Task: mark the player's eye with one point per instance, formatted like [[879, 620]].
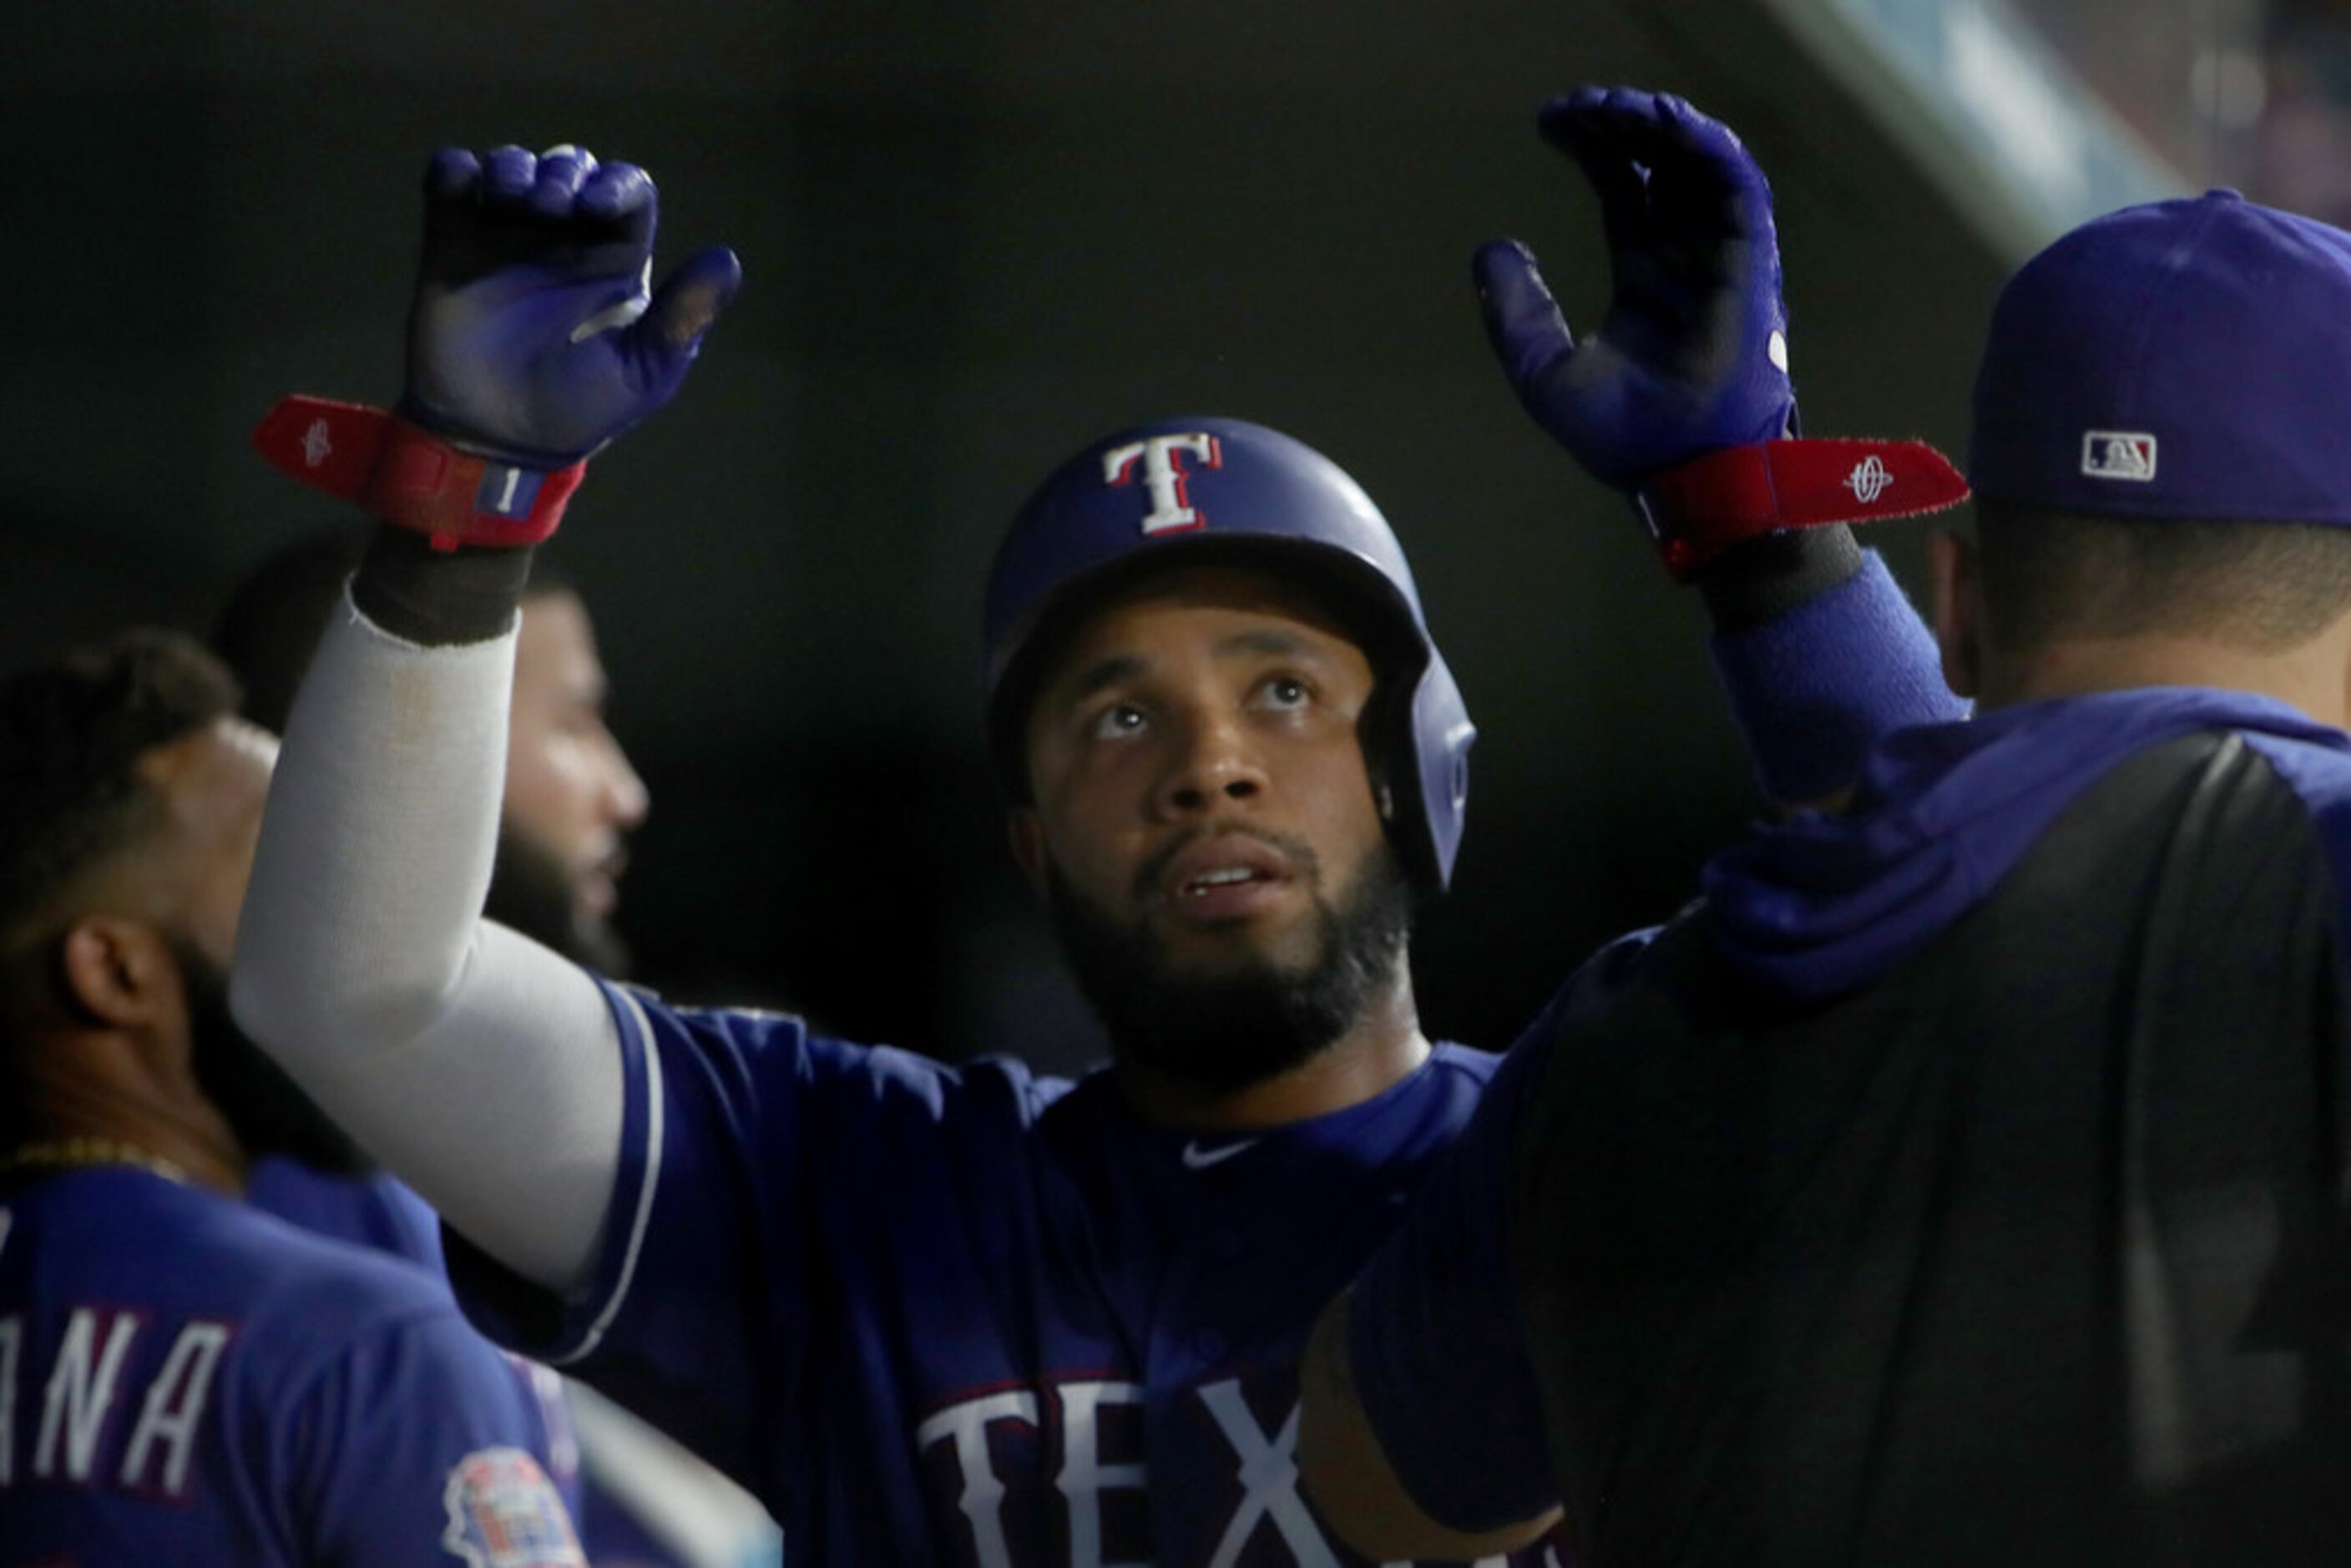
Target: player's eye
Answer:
[[1117, 721], [1285, 694]]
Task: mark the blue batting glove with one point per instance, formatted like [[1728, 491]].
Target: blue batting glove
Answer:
[[533, 337], [1692, 355]]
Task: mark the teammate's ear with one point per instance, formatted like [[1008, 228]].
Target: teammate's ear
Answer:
[[118, 972], [1957, 608], [1027, 836]]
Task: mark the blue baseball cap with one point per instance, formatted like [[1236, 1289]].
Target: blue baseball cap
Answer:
[[2182, 359]]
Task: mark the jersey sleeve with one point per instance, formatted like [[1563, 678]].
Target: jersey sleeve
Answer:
[[775, 1189], [1812, 689], [1437, 1345], [416, 1443]]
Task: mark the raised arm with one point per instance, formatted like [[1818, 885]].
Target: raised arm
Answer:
[[1682, 399], [480, 1067]]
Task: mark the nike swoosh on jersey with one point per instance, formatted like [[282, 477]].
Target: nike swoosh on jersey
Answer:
[[1196, 1158]]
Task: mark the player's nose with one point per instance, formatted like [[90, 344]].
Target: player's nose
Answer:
[[626, 801], [1213, 764]]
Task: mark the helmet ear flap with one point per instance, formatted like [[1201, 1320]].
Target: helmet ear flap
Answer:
[[1436, 741]]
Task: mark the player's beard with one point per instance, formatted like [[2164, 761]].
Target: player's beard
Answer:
[[268, 1111], [1222, 1031], [534, 893]]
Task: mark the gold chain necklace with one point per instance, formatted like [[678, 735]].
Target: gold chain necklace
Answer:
[[66, 1154]]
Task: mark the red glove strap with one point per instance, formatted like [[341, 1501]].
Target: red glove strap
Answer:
[[410, 478], [1698, 510]]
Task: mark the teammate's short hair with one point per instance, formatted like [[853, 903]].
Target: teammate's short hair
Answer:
[[72, 728], [2261, 588], [270, 625], [2153, 444]]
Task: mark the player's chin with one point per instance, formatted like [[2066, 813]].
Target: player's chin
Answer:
[[595, 894], [1282, 941]]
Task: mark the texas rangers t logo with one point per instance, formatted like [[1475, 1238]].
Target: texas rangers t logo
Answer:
[[1163, 477]]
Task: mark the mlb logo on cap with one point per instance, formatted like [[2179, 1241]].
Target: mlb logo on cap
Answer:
[[2221, 323], [2118, 455]]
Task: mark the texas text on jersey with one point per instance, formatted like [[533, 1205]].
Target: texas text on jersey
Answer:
[[974, 1316]]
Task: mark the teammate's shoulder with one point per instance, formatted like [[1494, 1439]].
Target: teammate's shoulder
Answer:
[[1587, 990], [184, 1251], [1450, 1059], [2318, 772], [299, 1272], [325, 1315]]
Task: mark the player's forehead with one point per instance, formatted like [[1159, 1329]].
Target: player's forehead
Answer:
[[1182, 611], [213, 780], [555, 649]]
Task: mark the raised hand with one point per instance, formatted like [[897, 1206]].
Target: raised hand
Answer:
[[535, 337], [1691, 356]]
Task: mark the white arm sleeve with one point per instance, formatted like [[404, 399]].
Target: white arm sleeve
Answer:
[[480, 1067]]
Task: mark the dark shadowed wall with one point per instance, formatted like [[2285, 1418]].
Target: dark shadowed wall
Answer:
[[974, 237]]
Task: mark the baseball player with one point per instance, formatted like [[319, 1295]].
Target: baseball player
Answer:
[[183, 1378], [1964, 1180], [938, 1315], [571, 799]]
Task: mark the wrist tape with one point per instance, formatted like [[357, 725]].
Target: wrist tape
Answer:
[[404, 475], [1698, 510]]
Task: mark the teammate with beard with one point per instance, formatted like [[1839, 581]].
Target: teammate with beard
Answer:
[[182, 1377], [571, 798], [965, 1315]]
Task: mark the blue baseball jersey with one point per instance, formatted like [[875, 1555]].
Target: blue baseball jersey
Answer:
[[375, 1209], [184, 1379], [967, 1315]]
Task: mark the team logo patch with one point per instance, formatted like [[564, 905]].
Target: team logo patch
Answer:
[[317, 445], [2118, 455], [505, 1514], [1870, 478]]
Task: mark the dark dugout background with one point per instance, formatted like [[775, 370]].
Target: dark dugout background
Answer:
[[974, 237]]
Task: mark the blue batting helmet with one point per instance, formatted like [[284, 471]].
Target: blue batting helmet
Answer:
[[1199, 489]]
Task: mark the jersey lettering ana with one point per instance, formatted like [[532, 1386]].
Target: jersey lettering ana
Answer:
[[1962, 1182], [970, 1316], [184, 1379]]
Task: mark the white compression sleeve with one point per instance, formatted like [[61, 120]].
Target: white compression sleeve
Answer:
[[480, 1067]]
